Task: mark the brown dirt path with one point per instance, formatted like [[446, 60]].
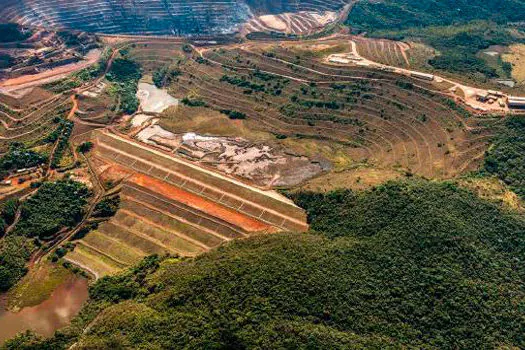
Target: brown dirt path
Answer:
[[48, 76]]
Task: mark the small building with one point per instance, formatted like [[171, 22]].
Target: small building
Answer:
[[482, 96], [423, 76], [335, 59]]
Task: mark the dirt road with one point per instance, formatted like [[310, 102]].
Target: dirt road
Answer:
[[48, 76]]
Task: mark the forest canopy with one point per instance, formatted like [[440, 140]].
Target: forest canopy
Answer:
[[408, 264]]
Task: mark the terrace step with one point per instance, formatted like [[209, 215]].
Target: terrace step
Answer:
[[145, 243], [187, 231], [160, 228], [121, 254], [97, 263], [178, 209]]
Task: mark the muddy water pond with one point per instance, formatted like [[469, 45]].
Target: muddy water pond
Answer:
[[44, 319]]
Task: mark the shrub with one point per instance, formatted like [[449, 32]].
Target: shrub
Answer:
[[55, 205]]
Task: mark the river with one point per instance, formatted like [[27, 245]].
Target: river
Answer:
[[54, 313]]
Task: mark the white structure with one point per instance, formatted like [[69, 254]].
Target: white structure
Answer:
[[516, 102], [423, 76]]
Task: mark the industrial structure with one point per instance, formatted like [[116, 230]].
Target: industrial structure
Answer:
[[516, 102]]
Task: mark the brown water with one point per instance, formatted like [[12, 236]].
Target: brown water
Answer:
[[54, 313]]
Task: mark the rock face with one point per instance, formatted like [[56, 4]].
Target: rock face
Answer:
[[154, 17]]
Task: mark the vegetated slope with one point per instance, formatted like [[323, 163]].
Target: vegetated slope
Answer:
[[180, 17], [460, 47], [413, 264], [10, 32], [403, 14], [506, 158], [459, 30], [54, 207]]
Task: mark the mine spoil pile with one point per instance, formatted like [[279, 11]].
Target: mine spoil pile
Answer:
[[181, 17], [170, 205]]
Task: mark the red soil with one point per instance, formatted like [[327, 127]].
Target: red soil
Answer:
[[114, 173], [245, 222]]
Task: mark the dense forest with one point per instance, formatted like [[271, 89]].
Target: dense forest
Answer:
[[506, 158], [404, 14], [408, 264], [125, 74], [19, 157], [56, 205]]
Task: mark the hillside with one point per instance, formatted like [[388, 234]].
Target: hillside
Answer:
[[404, 14], [468, 37], [410, 264], [506, 158]]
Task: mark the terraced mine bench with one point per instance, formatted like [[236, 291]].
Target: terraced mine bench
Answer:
[[155, 17], [169, 205], [262, 205]]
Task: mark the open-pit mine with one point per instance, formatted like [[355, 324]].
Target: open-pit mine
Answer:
[[171, 129], [154, 17]]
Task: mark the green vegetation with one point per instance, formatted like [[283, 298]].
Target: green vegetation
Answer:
[[124, 70], [19, 157], [8, 212], [165, 76], [14, 253], [55, 206], [76, 80], [85, 147], [193, 102], [69, 38], [107, 207], [127, 285], [242, 82], [258, 82], [125, 74], [64, 131], [10, 32], [38, 285], [405, 265], [233, 114], [460, 47], [506, 158], [63, 85], [6, 61], [458, 30], [95, 70], [404, 14]]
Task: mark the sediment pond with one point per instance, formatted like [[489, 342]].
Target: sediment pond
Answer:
[[45, 318]]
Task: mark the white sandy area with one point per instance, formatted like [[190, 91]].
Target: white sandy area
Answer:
[[154, 130], [154, 100], [273, 22], [140, 119]]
